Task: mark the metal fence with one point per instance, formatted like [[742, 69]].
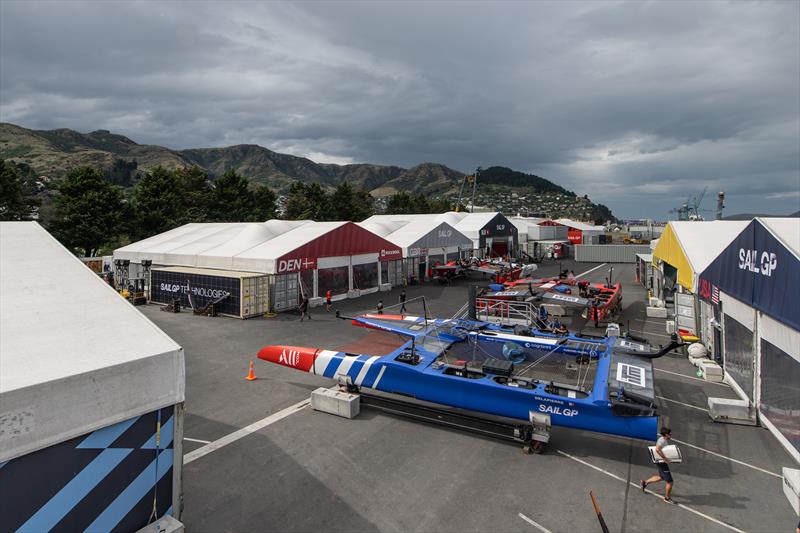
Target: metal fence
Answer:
[[609, 253]]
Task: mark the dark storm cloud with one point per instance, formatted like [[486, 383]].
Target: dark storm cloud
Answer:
[[637, 104]]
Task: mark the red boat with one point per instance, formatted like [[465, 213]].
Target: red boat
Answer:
[[606, 299]]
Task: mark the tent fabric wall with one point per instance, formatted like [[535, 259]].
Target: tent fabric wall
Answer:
[[779, 398], [669, 251]]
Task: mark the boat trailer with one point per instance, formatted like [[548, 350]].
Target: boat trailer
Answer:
[[533, 435]]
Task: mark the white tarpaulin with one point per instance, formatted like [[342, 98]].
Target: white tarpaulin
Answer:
[[74, 355]]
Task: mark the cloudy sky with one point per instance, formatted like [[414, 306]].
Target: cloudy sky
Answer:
[[637, 104]]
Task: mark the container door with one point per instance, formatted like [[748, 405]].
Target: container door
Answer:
[[286, 292], [684, 312]]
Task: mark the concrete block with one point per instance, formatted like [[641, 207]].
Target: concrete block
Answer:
[[670, 327], [791, 487], [613, 330], [711, 371], [355, 293], [385, 287], [316, 302], [336, 402], [165, 524], [656, 312], [655, 302], [731, 411]]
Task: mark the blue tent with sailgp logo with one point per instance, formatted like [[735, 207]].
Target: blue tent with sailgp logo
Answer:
[[761, 267], [754, 287]]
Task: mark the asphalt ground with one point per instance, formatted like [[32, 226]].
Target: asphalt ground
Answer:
[[307, 471]]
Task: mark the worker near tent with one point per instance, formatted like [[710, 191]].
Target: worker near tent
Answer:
[[304, 312], [402, 301], [328, 297], [380, 307]]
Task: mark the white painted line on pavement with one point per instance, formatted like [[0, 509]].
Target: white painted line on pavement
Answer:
[[245, 431], [197, 440], [731, 459], [681, 403], [590, 270], [692, 377], [682, 506], [534, 524]]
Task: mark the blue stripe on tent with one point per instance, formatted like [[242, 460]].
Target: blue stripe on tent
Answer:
[[3, 464], [102, 438], [73, 492], [132, 494], [166, 437]]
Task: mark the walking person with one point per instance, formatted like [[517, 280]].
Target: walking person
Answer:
[[664, 473], [328, 296], [304, 312], [403, 302], [380, 307]]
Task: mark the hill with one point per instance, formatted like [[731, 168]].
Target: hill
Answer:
[[53, 152]]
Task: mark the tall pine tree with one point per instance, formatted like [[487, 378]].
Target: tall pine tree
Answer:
[[90, 212]]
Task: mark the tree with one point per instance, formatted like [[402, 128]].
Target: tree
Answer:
[[307, 202], [404, 203], [231, 199], [400, 204], [265, 207], [347, 203], [195, 194], [122, 172], [157, 203], [15, 204], [90, 212]]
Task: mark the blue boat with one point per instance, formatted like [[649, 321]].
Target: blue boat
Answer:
[[603, 385]]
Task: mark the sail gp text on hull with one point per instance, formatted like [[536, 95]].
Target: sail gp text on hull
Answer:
[[555, 409]]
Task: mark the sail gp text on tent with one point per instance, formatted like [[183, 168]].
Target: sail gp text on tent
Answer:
[[748, 260]]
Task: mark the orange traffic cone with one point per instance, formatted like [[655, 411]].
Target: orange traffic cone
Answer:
[[251, 376]]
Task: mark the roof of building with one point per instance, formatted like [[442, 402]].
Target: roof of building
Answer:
[[690, 246], [583, 226], [66, 332], [785, 229]]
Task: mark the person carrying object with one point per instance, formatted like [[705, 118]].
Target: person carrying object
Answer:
[[304, 312], [403, 302], [664, 473]]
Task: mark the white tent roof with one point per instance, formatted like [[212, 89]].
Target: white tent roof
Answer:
[[703, 241], [583, 226], [410, 231], [468, 224], [786, 229], [250, 236], [261, 258], [74, 356], [382, 227]]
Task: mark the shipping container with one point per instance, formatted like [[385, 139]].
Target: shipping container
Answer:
[[247, 292], [609, 253]]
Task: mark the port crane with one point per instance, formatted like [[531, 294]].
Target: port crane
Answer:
[[472, 179], [690, 210]]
